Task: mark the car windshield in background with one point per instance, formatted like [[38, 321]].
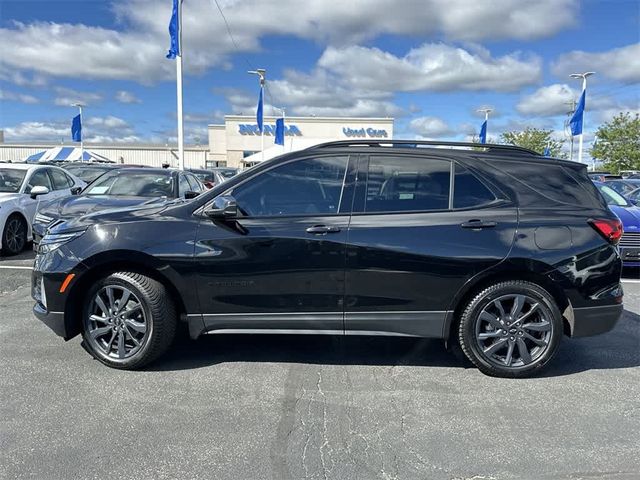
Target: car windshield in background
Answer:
[[612, 197], [11, 180], [204, 177], [88, 174], [134, 184], [227, 172]]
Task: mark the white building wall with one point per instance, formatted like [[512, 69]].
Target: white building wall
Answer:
[[148, 155]]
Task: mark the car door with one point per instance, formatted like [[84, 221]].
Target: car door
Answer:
[[62, 183], [421, 227], [280, 266], [38, 177]]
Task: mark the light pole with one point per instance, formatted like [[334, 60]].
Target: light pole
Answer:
[[486, 112], [567, 127], [261, 72], [583, 76], [80, 105]]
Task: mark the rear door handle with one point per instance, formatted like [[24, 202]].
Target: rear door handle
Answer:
[[322, 229], [479, 224]]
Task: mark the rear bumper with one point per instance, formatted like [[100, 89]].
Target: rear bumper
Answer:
[[588, 321], [630, 256]]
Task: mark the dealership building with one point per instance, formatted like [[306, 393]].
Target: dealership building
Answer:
[[238, 141]]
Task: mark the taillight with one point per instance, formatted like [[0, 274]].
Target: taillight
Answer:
[[611, 230]]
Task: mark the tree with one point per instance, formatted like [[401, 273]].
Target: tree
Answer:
[[617, 143], [534, 139]]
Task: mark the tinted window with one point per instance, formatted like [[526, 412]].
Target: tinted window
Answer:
[[196, 185], [138, 184], [612, 197], [11, 180], [468, 191], [60, 180], [311, 187], [88, 174], [40, 178], [183, 185], [398, 184]]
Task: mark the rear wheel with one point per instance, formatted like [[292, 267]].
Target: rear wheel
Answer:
[[511, 329], [14, 236], [128, 320]]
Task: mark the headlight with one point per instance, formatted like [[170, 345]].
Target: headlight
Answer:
[[51, 242], [42, 218]]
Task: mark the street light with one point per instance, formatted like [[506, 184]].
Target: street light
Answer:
[[261, 73], [583, 76]]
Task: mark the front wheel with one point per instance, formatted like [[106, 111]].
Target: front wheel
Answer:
[[14, 236], [128, 320], [511, 329]]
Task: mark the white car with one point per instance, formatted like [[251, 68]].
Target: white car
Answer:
[[19, 199]]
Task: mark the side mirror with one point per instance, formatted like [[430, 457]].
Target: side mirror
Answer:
[[222, 207], [37, 191], [189, 195], [76, 190]]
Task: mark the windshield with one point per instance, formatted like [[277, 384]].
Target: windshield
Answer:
[[227, 172], [11, 180], [134, 184], [204, 176], [88, 174], [612, 197]]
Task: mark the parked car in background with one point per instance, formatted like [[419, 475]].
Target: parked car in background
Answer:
[[89, 171], [118, 188], [624, 187], [634, 196], [630, 173], [500, 251], [629, 214], [215, 176], [22, 187], [604, 176]]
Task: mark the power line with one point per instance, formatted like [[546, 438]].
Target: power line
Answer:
[[235, 44]]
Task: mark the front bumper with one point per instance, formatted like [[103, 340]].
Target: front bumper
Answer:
[[54, 320], [588, 321]]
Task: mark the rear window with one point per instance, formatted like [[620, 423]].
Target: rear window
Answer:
[[541, 184]]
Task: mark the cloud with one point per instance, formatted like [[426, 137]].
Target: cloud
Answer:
[[38, 131], [622, 64], [136, 50], [66, 97], [546, 101], [18, 97], [432, 66], [22, 80], [430, 127], [123, 96]]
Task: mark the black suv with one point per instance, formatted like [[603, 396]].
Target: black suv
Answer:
[[493, 248]]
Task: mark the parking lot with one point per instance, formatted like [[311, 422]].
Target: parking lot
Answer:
[[285, 407]]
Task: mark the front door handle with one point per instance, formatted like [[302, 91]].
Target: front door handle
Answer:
[[479, 224], [322, 229]]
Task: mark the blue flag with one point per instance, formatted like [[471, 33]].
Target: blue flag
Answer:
[[578, 115], [483, 132], [547, 151], [76, 128], [259, 117], [279, 132], [174, 32]]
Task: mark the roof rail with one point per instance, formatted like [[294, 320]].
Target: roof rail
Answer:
[[416, 143]]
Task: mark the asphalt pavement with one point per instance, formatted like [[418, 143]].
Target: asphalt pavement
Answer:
[[294, 407]]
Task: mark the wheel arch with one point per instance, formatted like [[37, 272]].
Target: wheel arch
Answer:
[[12, 213], [106, 263], [534, 272]]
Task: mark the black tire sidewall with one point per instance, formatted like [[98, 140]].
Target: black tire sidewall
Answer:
[[23, 226], [139, 357], [470, 317]]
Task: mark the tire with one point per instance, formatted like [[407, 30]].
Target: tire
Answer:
[[14, 235], [512, 342], [128, 330]]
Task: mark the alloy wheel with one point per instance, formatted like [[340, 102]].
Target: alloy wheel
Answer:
[[15, 236], [117, 323], [513, 330]]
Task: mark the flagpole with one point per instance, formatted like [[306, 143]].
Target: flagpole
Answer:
[[81, 136], [179, 91], [486, 111], [262, 132], [584, 89]]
